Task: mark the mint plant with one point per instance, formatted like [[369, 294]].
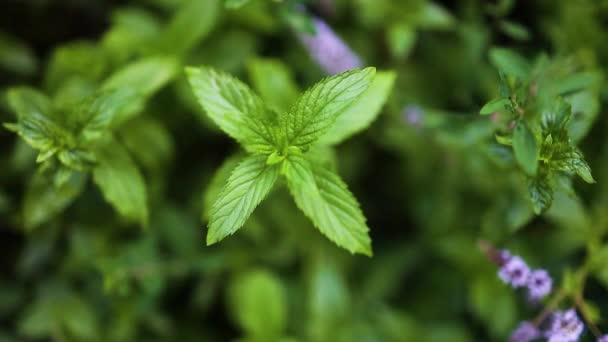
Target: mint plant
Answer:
[[538, 120], [75, 137], [279, 145]]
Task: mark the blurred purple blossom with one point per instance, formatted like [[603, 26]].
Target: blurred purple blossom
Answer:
[[329, 50], [525, 332], [565, 327], [603, 339], [539, 284], [514, 272], [413, 115]]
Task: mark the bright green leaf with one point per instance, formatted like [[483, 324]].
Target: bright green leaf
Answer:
[[316, 111], [363, 111], [247, 186], [326, 200], [235, 109], [121, 182]]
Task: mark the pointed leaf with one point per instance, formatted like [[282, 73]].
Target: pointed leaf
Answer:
[[363, 111], [121, 182], [510, 62], [248, 185], [317, 109], [235, 109], [496, 105], [326, 200], [36, 121]]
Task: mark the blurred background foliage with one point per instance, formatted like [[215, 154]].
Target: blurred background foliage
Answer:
[[429, 173]]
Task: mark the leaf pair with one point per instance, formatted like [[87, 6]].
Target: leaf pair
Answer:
[[278, 143]]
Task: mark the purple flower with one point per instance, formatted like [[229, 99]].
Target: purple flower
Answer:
[[525, 332], [413, 114], [328, 50], [514, 272], [603, 339], [565, 327], [539, 284]]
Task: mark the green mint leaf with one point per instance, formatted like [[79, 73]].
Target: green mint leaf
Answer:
[[235, 109], [145, 76], [79, 60], [247, 186], [216, 184], [149, 141], [93, 117], [541, 194], [234, 4], [496, 105], [525, 148], [571, 159], [120, 182], [258, 300], [317, 109], [44, 199], [37, 123], [326, 200], [273, 80], [510, 62], [193, 21], [363, 111]]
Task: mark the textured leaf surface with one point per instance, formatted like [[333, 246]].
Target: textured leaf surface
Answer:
[[326, 200], [317, 109], [363, 112], [234, 108], [247, 186]]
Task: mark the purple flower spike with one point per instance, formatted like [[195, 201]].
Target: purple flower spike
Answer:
[[329, 50], [603, 339], [525, 332], [514, 272], [565, 327], [539, 284]]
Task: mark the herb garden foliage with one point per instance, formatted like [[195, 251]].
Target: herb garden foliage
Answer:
[[456, 124]]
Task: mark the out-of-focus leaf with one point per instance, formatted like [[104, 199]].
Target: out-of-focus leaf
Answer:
[[43, 199], [16, 56], [510, 62], [121, 182], [148, 141], [83, 60], [401, 39], [363, 111], [525, 148], [258, 302], [541, 194], [496, 105], [191, 23], [274, 82]]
